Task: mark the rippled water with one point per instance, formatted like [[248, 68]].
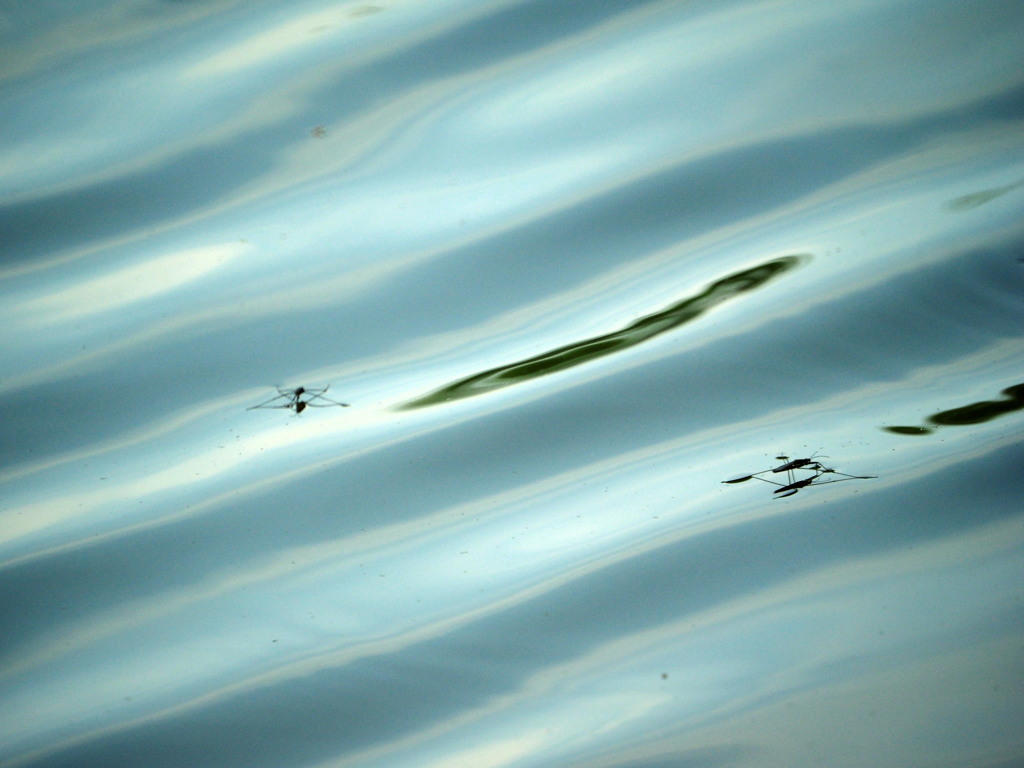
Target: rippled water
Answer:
[[572, 265]]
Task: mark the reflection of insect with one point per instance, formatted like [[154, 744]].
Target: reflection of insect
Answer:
[[793, 482], [293, 399]]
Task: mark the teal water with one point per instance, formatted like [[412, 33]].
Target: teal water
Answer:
[[572, 266]]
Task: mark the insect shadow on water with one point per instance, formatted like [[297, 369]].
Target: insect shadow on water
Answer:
[[292, 399], [794, 482]]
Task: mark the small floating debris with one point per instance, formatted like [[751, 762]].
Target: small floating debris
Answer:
[[795, 479], [292, 399]]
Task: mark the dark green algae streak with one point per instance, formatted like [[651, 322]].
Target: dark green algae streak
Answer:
[[975, 413], [584, 351]]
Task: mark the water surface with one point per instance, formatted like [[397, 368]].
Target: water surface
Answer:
[[572, 265]]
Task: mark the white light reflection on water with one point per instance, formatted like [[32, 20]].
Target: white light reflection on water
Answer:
[[590, 203]]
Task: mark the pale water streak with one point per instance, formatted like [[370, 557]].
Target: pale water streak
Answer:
[[573, 264]]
